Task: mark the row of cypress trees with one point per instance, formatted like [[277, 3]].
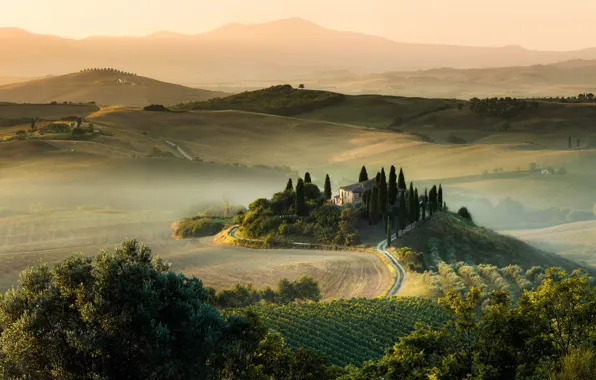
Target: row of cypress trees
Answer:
[[300, 199], [395, 203]]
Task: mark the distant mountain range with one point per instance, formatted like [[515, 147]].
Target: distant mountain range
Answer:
[[275, 51]]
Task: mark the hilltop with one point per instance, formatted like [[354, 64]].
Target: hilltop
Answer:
[[450, 238], [102, 86]]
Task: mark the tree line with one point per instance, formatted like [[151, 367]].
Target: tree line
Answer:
[[501, 107], [108, 70], [392, 202]]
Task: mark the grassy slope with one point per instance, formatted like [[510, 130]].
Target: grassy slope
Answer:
[[275, 100], [483, 245], [574, 240], [350, 331], [102, 87]]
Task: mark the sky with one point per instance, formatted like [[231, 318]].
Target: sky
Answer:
[[533, 24]]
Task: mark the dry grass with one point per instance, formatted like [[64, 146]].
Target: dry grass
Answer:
[[103, 88], [27, 239]]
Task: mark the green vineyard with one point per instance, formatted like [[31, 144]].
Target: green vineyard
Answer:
[[350, 331]]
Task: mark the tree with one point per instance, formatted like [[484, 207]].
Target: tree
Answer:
[[301, 86], [402, 215], [425, 204], [33, 124], [289, 185], [417, 206], [440, 198], [590, 96], [392, 191], [378, 178], [383, 194], [299, 202], [411, 204], [401, 183], [307, 178], [118, 314], [464, 213], [363, 175], [432, 200], [327, 191], [388, 229], [374, 206]]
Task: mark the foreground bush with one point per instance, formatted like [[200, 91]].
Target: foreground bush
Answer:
[[120, 315]]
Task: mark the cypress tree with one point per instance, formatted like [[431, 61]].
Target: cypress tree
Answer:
[[417, 206], [424, 204], [307, 178], [401, 182], [368, 202], [363, 175], [440, 198], [411, 204], [383, 194], [300, 203], [392, 191], [374, 206], [388, 229], [327, 191], [402, 217], [432, 202], [378, 178], [289, 185]]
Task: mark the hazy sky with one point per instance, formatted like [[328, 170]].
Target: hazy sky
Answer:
[[535, 24]]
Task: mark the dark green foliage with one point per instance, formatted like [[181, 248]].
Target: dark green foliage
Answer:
[[417, 206], [307, 178], [411, 204], [500, 107], [289, 185], [388, 229], [432, 199], [199, 226], [539, 338], [392, 190], [382, 194], [402, 214], [287, 291], [327, 190], [424, 204], [312, 192], [363, 175], [300, 202], [117, 315], [440, 198], [378, 177], [156, 107], [353, 330], [375, 209], [401, 182], [464, 213], [280, 100]]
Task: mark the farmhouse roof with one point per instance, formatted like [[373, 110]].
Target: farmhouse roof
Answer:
[[360, 186]]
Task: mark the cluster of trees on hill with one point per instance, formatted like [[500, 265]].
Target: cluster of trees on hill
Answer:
[[302, 211], [580, 98], [392, 202], [108, 70], [501, 107], [156, 107], [304, 289], [125, 315], [283, 100]]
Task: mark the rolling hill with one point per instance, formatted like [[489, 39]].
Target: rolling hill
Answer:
[[272, 50], [105, 86]]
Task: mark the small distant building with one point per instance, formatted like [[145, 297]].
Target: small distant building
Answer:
[[352, 194]]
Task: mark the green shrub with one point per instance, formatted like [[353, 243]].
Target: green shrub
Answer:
[[200, 226]]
